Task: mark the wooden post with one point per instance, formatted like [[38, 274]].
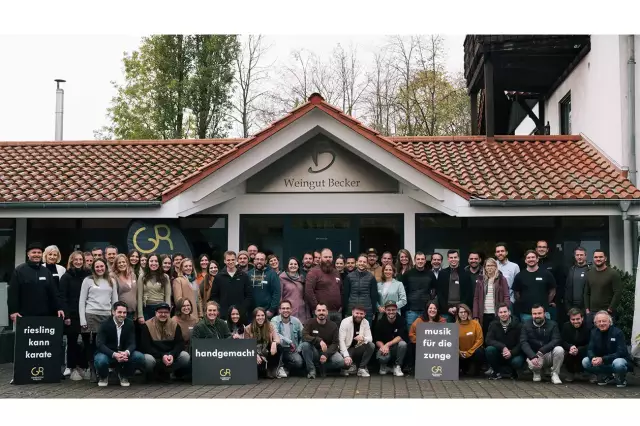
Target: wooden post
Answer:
[[489, 95], [541, 116], [474, 112]]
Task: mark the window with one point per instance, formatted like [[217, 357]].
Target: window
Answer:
[[7, 248], [565, 115]]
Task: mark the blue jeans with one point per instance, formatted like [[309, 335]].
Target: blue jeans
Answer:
[[292, 360], [102, 363], [528, 317], [497, 362], [412, 316], [311, 357], [618, 366]]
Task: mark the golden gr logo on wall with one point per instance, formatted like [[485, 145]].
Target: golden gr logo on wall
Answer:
[[161, 238]]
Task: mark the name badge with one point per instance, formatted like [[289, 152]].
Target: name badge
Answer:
[[337, 279], [395, 331], [470, 333], [613, 339], [264, 282], [457, 282], [190, 328], [357, 332], [582, 275], [538, 278], [42, 278], [56, 275], [315, 331]]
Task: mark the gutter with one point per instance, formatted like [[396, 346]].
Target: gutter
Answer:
[[79, 205], [631, 98], [542, 203]]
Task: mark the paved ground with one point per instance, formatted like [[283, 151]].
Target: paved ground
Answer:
[[330, 387]]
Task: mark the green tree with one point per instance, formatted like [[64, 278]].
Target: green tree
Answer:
[[175, 87]]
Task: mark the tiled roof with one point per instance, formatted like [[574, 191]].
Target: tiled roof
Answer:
[[93, 171], [502, 168], [523, 167]]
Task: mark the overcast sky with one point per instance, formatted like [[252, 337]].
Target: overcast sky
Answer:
[[90, 63]]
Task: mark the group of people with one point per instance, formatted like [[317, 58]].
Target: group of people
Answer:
[[136, 311]]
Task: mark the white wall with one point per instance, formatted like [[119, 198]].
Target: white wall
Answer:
[[597, 96]]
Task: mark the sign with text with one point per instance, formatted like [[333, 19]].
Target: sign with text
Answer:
[[321, 165], [224, 362], [437, 351], [38, 350]]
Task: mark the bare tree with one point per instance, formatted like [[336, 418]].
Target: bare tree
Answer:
[[351, 80], [379, 99], [250, 78], [404, 64]]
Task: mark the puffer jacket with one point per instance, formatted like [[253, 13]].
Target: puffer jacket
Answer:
[[360, 288], [418, 286]]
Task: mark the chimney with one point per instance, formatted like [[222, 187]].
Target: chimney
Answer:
[[59, 108]]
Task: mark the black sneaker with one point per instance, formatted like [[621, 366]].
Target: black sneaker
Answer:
[[621, 382], [495, 376], [605, 380]]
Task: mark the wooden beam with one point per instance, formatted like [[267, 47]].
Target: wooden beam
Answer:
[[489, 96], [541, 115], [530, 113], [474, 112]]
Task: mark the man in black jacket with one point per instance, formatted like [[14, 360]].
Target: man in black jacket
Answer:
[[541, 343], [163, 346], [575, 340], [607, 353], [453, 287], [115, 346], [419, 282], [503, 344], [32, 291], [232, 287], [390, 338]]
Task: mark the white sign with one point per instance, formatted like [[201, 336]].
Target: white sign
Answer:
[[321, 166]]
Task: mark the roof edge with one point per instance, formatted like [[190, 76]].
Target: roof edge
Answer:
[[561, 202], [78, 204], [125, 142]]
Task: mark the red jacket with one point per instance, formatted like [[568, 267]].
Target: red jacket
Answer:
[[500, 294], [325, 288]]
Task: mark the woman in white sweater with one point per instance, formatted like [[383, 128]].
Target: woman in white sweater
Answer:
[[97, 295]]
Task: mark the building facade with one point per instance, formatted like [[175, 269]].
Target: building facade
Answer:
[[316, 178]]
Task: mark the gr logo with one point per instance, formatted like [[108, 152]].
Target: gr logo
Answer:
[[225, 374], [37, 373], [436, 371]]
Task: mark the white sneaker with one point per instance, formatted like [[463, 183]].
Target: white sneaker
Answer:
[[362, 372], [489, 372], [344, 373], [537, 377], [353, 369], [397, 371], [67, 372], [555, 379], [103, 382], [383, 370], [281, 374], [76, 376], [87, 374], [124, 382]]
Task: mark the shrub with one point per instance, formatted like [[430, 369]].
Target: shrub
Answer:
[[627, 304]]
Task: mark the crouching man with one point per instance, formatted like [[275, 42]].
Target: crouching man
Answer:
[[390, 334], [356, 343], [115, 347], [607, 354], [541, 342], [163, 346]]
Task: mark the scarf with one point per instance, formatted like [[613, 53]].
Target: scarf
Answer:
[[162, 331]]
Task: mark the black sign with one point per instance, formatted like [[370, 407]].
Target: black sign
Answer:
[[224, 362], [38, 350], [159, 237], [437, 356]]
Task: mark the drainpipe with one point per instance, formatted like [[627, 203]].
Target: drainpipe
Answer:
[[628, 234], [59, 108]]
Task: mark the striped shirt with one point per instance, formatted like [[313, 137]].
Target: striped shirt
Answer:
[[489, 304]]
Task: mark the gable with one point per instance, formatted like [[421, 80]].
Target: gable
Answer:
[[321, 166]]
